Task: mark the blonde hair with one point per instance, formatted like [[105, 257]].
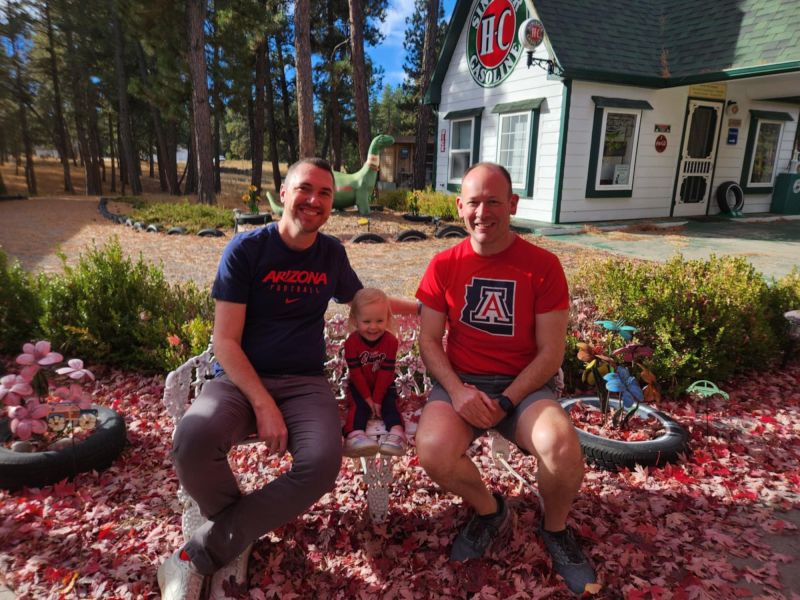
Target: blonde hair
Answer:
[[365, 297]]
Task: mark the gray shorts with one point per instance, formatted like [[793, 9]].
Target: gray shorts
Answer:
[[494, 385]]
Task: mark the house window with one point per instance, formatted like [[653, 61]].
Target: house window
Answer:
[[516, 144], [460, 148], [761, 151], [615, 138], [465, 128]]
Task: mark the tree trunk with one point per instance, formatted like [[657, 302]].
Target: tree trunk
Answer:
[[191, 162], [286, 101], [123, 172], [126, 149], [61, 133], [111, 152], [425, 110], [257, 132], [218, 116], [305, 90], [78, 82], [270, 114], [22, 100], [360, 88], [195, 21]]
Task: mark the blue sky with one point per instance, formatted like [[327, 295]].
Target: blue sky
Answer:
[[390, 55]]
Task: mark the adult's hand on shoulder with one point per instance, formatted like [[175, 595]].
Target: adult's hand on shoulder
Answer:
[[272, 428], [475, 407]]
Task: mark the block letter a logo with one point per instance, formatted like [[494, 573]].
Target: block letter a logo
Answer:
[[489, 306]]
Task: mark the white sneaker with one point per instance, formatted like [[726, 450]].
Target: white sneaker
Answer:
[[178, 579], [358, 444], [234, 573]]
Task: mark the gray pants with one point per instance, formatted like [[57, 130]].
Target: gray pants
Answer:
[[220, 418]]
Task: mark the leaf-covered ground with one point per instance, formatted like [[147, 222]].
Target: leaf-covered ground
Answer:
[[695, 530]]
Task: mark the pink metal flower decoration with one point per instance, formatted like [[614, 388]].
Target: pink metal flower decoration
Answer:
[[38, 354], [75, 370], [13, 388], [29, 419]]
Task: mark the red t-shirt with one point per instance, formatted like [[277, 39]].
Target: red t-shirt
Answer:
[[491, 303]]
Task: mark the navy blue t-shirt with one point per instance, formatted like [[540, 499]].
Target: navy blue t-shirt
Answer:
[[287, 293]]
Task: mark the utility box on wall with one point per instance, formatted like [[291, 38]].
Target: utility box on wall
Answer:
[[786, 194]]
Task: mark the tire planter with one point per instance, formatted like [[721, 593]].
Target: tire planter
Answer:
[[37, 469], [612, 455], [730, 197], [411, 235], [210, 232], [452, 231], [368, 238]]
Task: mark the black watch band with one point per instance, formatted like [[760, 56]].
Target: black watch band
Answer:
[[505, 403]]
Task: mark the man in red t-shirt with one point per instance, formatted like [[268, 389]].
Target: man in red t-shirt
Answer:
[[505, 303]]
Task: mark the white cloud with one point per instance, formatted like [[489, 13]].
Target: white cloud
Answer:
[[394, 26]]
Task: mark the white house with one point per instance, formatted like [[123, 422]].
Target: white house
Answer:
[[631, 109]]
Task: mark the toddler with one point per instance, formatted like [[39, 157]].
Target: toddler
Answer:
[[370, 351]]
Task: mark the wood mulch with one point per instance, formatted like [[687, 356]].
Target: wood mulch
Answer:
[[35, 231]]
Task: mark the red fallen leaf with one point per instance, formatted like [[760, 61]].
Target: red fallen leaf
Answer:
[[105, 531], [767, 419], [746, 495]]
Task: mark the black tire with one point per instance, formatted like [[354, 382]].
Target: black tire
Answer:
[[452, 231], [37, 469], [368, 238], [418, 218], [411, 235], [730, 197], [612, 455], [210, 232], [176, 231], [153, 228]]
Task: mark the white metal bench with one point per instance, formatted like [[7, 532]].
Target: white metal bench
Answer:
[[184, 384]]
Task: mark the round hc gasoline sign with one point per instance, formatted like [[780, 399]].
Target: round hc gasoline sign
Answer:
[[492, 45]]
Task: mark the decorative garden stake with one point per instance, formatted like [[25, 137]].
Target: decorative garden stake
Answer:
[[706, 389]]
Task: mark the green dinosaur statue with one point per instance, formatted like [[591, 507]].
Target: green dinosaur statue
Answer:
[[353, 188]]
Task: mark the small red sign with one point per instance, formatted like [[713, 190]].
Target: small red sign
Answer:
[[443, 140], [661, 143]]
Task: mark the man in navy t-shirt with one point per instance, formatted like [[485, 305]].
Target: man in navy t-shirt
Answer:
[[271, 291]]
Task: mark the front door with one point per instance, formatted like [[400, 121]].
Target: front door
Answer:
[[697, 158]]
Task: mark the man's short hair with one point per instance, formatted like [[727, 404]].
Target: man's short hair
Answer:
[[320, 163], [500, 168]]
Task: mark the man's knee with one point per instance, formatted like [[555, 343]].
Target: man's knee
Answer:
[[554, 439], [436, 451], [318, 467], [194, 442]]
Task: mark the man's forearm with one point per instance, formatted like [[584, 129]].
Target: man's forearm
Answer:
[[538, 372]]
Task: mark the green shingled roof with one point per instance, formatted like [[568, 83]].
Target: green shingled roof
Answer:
[[658, 43]]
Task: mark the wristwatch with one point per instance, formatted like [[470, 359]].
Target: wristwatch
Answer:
[[505, 403]]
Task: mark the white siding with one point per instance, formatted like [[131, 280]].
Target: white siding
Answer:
[[654, 175], [730, 158], [460, 92]]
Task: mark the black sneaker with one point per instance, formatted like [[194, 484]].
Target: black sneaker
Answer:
[[569, 560], [481, 532]]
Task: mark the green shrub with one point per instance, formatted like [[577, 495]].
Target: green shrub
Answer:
[[705, 319], [785, 297], [193, 217], [20, 307], [394, 199], [117, 311], [437, 204]]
